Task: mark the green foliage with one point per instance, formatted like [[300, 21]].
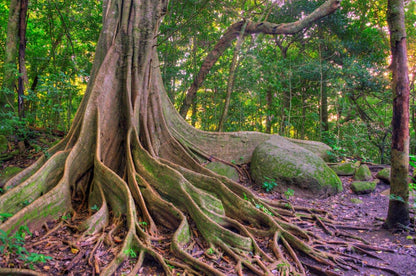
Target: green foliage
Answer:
[[130, 252], [66, 216], [4, 216], [269, 184], [95, 207], [289, 193], [412, 185], [14, 245], [263, 208], [396, 197], [245, 196]]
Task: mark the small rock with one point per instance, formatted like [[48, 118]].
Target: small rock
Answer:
[[363, 173], [363, 187], [356, 200], [384, 175], [344, 169]]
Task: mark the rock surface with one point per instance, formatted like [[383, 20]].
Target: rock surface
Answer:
[[363, 187], [345, 169], [384, 175], [293, 166], [363, 173]]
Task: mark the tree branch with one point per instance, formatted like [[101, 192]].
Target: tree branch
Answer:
[[264, 27]]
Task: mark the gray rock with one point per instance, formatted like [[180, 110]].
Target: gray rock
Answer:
[[345, 169], [293, 166], [384, 175], [363, 187]]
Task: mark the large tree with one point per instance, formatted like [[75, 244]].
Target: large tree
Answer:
[[131, 154]]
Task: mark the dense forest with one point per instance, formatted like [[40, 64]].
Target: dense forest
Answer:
[[329, 82], [125, 104]]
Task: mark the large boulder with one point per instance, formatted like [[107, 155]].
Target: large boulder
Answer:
[[319, 148], [293, 166]]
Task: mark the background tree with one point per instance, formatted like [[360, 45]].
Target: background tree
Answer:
[[398, 213]]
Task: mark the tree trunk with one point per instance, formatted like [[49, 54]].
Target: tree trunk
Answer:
[[130, 153], [231, 78], [10, 67], [22, 80], [269, 113], [398, 213]]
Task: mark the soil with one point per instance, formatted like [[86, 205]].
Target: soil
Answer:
[[60, 250]]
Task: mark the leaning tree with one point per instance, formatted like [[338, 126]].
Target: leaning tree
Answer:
[[131, 154]]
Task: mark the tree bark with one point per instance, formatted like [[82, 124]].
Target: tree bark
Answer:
[[22, 79], [398, 212], [10, 66], [265, 27]]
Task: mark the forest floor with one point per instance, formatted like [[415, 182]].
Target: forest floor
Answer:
[[57, 239]]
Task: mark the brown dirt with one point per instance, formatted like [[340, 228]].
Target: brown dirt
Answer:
[[75, 255]]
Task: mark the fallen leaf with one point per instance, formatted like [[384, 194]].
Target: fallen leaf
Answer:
[[74, 250]]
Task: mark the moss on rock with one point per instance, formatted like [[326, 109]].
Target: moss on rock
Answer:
[[224, 170], [345, 169], [363, 187], [384, 175], [363, 173], [356, 201], [293, 166]]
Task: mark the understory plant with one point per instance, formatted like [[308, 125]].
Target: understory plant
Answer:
[[269, 184], [14, 244]]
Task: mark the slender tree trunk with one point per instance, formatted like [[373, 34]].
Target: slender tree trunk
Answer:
[[22, 80], [269, 105], [302, 130], [398, 213], [231, 78], [323, 97], [10, 67]]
